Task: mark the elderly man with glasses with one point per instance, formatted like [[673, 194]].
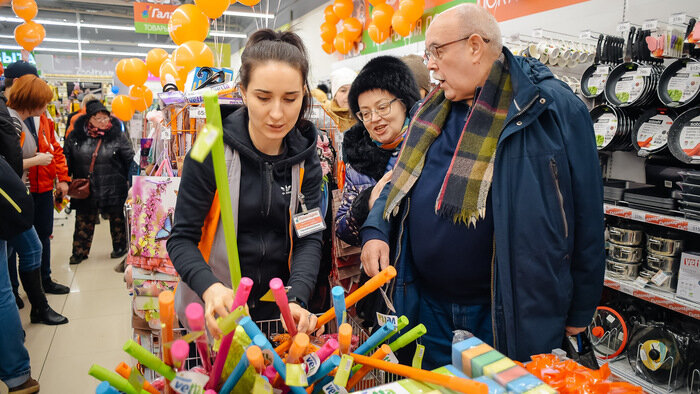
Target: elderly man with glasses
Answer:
[[493, 216]]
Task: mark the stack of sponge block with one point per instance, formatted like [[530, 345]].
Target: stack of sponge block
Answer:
[[481, 362]]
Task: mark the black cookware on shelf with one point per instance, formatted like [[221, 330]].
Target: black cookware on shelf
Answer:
[[632, 84], [679, 84], [608, 53], [684, 137], [650, 131], [609, 333], [659, 356], [613, 127]]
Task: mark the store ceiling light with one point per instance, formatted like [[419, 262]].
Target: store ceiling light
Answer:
[[228, 35], [113, 53], [108, 27], [39, 21], [38, 49], [156, 45], [249, 14]]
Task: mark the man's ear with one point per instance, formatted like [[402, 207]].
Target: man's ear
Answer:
[[477, 47]]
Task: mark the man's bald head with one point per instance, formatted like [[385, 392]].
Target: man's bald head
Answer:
[[471, 19]]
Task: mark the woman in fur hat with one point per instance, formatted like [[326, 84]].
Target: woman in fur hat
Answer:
[[380, 98]]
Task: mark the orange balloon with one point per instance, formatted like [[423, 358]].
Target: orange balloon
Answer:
[[193, 54], [141, 97], [343, 8], [342, 44], [375, 3], [328, 32], [25, 9], [122, 108], [331, 17], [188, 23], [328, 47], [212, 8], [377, 34], [249, 3], [154, 59], [353, 28], [132, 71], [29, 35], [170, 74], [381, 16], [401, 25], [412, 10]]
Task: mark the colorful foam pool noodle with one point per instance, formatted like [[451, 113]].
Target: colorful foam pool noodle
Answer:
[[359, 375], [412, 334], [338, 295], [376, 338], [105, 388], [345, 338], [148, 360], [280, 295], [104, 375], [125, 371], [179, 352], [195, 320], [326, 367]]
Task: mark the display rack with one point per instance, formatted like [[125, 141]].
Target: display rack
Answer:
[[678, 223], [658, 297], [621, 369]]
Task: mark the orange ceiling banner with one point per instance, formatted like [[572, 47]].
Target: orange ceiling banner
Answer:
[[505, 10]]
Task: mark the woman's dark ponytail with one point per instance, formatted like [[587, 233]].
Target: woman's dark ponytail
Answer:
[[286, 47]]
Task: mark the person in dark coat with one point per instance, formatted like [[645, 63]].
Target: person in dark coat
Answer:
[[380, 97], [108, 182]]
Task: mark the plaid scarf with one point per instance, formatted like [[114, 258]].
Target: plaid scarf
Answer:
[[468, 180], [94, 131]]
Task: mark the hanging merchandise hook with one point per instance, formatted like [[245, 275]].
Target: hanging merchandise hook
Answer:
[[213, 78]]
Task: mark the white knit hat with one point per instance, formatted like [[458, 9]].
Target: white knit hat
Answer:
[[340, 77]]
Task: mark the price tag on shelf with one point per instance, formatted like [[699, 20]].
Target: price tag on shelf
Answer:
[[641, 281], [677, 19], [650, 24], [660, 278], [638, 215], [627, 289], [537, 33], [585, 34], [623, 27], [198, 113]]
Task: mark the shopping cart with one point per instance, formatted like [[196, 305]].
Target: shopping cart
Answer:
[[270, 328]]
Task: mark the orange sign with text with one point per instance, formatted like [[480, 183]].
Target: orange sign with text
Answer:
[[505, 10], [152, 18]]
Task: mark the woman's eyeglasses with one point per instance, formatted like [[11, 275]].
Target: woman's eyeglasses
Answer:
[[383, 109]]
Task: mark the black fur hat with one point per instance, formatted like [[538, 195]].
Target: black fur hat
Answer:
[[388, 73]]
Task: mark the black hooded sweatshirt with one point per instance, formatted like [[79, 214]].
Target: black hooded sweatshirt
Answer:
[[263, 222]]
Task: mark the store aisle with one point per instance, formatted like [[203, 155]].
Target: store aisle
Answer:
[[98, 307]]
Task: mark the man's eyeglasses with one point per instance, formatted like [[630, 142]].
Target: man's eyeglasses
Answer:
[[383, 109], [101, 119], [435, 50]]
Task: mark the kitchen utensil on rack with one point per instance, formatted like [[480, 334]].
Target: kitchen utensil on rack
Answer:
[[679, 84], [625, 254], [620, 270], [665, 243], [655, 354], [609, 333], [650, 131], [613, 127], [684, 136], [626, 234]]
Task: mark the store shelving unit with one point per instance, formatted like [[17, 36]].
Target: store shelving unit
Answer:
[[623, 371], [678, 223], [658, 297]]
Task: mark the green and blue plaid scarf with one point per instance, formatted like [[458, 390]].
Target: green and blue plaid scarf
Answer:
[[468, 180]]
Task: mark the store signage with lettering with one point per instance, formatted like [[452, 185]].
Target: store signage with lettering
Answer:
[[9, 57], [152, 18]]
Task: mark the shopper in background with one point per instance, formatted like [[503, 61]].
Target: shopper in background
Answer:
[[98, 133], [337, 107], [495, 200], [74, 116], [42, 178], [16, 211], [268, 142], [420, 73], [321, 95], [28, 97], [380, 97]]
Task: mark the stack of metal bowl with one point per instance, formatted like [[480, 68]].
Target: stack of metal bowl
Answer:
[[625, 251], [664, 248]]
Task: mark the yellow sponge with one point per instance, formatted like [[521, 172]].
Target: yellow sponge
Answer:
[[498, 366], [470, 354]]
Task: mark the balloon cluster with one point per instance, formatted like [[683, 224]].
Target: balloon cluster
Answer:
[[379, 28], [343, 41], [29, 34]]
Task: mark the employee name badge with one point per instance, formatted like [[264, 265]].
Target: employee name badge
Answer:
[[308, 222]]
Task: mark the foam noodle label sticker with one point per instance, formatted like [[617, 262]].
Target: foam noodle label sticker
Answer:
[[343, 373], [296, 376], [391, 358], [262, 386], [198, 113], [382, 319], [188, 382], [332, 388], [136, 379], [418, 357], [311, 364], [309, 222]]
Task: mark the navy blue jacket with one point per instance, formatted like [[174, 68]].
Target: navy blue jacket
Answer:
[[547, 199]]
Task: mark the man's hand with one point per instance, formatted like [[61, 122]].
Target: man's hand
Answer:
[[43, 159], [571, 331], [218, 299], [377, 190], [61, 190], [305, 321], [375, 256]]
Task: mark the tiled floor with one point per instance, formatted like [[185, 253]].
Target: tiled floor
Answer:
[[98, 307]]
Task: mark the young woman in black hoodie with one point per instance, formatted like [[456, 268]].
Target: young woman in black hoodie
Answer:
[[272, 166]]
